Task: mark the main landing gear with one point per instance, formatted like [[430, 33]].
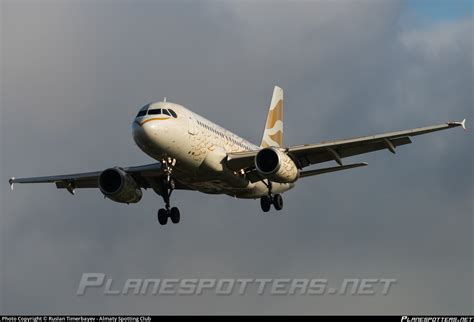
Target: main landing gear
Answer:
[[267, 201], [167, 186]]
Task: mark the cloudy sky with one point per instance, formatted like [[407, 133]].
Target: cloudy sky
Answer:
[[74, 74]]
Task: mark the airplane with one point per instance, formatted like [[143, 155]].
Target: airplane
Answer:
[[194, 153]]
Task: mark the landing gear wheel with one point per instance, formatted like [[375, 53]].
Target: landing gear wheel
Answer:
[[278, 202], [265, 203], [162, 216], [174, 215]]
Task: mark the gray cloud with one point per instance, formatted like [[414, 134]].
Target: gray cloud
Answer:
[[74, 74]]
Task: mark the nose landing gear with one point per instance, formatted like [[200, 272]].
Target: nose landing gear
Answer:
[[167, 186], [267, 201]]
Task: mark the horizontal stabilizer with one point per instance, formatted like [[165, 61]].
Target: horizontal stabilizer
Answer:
[[332, 169]]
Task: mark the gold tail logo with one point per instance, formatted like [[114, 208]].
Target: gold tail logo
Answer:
[[273, 134]]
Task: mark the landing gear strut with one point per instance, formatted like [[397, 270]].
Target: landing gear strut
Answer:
[[167, 186], [267, 201]]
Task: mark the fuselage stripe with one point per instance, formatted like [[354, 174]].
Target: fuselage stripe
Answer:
[[155, 119]]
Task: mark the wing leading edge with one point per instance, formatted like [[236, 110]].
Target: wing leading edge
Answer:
[[308, 154], [143, 174]]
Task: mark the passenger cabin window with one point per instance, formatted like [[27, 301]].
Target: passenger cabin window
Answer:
[[155, 111], [166, 112], [173, 113]]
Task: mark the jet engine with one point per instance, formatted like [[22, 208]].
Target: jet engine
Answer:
[[275, 165], [119, 186]]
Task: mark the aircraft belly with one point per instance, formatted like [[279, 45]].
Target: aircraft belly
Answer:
[[259, 189]]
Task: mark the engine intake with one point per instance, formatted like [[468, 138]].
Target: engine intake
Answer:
[[276, 166], [119, 186]]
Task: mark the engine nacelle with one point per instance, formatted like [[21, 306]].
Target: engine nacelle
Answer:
[[275, 165], [119, 186]]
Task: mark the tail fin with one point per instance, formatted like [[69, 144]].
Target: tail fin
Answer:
[[273, 134]]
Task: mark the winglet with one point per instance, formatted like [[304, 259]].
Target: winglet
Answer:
[[11, 182], [462, 124]]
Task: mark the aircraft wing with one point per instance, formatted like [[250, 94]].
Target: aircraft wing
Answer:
[[143, 174], [308, 154]]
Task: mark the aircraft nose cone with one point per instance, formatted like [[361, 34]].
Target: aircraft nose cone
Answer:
[[144, 134]]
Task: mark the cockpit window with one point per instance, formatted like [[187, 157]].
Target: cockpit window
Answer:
[[154, 111], [141, 113], [143, 110], [173, 113]]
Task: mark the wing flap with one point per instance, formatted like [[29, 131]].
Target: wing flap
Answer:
[[313, 155], [77, 184], [335, 150], [145, 175], [90, 179], [390, 135], [316, 172], [305, 155], [66, 177]]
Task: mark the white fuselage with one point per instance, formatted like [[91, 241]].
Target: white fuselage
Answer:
[[199, 147]]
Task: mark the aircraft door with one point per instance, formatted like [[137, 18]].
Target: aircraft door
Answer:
[[192, 125]]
